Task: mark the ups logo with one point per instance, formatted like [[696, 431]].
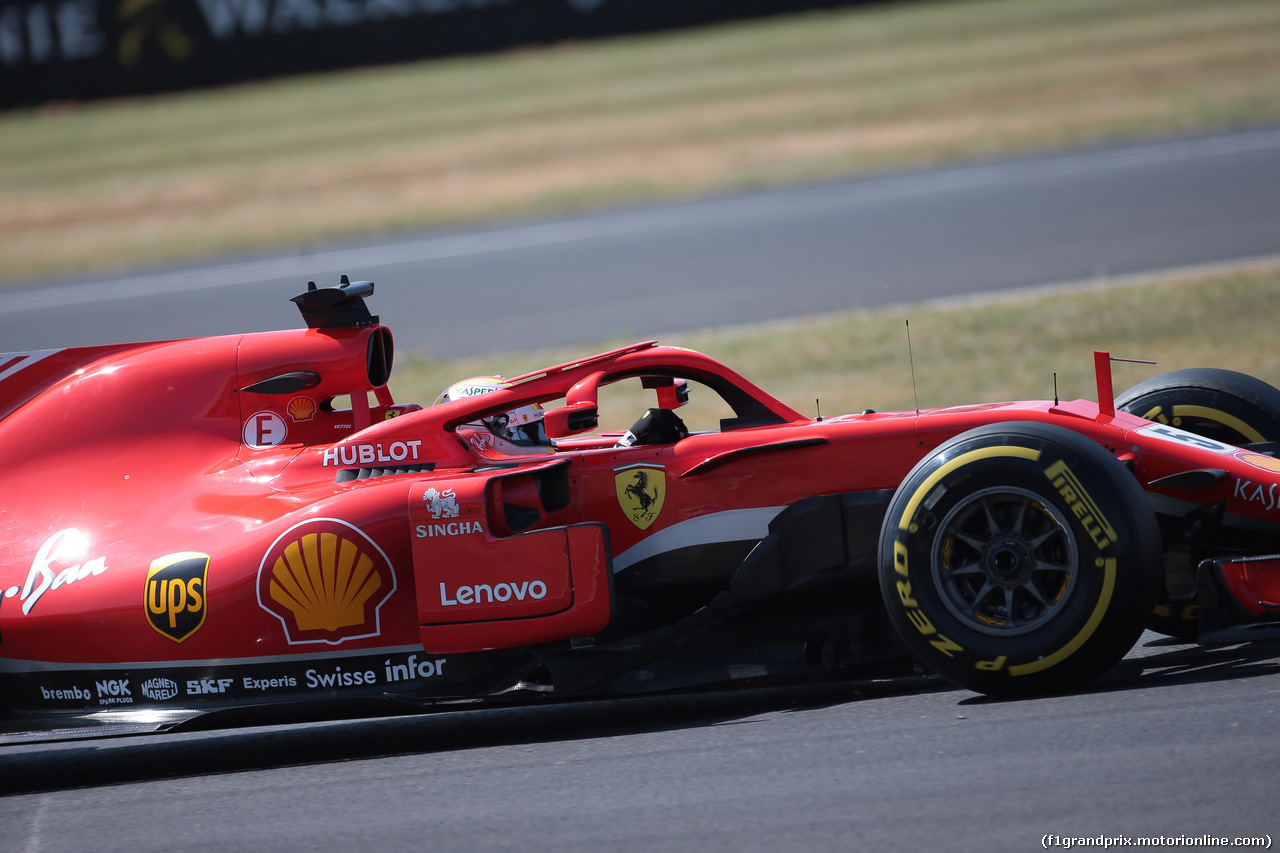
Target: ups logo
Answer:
[[175, 594]]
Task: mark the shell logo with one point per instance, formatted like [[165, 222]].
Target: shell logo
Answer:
[[302, 409], [325, 581], [1257, 460]]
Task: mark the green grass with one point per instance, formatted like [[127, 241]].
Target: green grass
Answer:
[[1005, 349], [758, 103]]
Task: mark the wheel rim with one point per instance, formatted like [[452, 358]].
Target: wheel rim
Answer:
[[1004, 561]]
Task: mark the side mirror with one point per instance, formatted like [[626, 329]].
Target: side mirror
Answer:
[[571, 420], [673, 396]]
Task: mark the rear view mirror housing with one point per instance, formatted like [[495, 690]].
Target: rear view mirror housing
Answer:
[[571, 420]]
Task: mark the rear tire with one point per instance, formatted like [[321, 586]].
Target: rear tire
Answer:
[[1019, 558]]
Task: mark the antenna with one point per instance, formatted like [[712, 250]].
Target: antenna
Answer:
[[1055, 387], [911, 358], [818, 404]]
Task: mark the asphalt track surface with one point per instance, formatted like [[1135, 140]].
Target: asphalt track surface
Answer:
[[655, 271], [1177, 741]]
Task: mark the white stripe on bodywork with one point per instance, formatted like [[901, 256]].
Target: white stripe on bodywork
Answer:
[[12, 362], [735, 525]]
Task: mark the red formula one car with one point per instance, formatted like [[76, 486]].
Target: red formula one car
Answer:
[[230, 523]]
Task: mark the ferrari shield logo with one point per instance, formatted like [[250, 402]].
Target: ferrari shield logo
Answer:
[[641, 492]]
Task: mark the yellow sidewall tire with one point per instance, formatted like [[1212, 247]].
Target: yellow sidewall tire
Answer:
[[1019, 558]]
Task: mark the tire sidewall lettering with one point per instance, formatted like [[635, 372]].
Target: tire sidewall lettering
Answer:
[[913, 543], [1053, 475]]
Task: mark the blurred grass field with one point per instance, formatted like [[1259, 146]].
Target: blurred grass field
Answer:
[[1007, 348], [128, 183]]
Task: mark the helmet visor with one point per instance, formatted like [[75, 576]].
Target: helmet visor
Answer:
[[529, 435]]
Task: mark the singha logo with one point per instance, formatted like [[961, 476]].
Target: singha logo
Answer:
[[441, 505]]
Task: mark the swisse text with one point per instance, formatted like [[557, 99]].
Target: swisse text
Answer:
[[369, 454], [483, 593], [338, 678]]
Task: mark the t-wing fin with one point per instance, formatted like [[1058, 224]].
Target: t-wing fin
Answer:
[[329, 307]]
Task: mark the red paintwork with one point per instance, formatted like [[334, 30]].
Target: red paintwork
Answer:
[[1255, 584], [115, 458]]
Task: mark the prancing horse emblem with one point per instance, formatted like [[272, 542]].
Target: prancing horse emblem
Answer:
[[641, 492]]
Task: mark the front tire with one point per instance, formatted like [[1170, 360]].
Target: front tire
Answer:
[[1019, 558], [1220, 404]]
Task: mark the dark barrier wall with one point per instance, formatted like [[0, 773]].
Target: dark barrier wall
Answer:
[[73, 49]]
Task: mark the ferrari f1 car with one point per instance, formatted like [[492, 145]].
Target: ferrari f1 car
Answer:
[[229, 523]]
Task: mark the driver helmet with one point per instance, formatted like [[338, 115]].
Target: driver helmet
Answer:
[[518, 432]]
